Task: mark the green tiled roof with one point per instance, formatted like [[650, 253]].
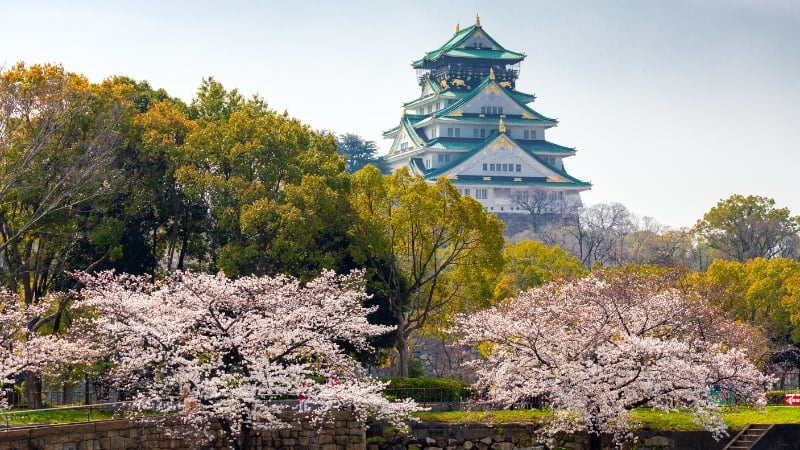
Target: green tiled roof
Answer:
[[413, 119], [478, 89], [447, 93], [572, 181], [523, 97], [543, 146], [450, 48], [509, 181], [466, 144], [412, 132]]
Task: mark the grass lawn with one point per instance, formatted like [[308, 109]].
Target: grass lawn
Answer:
[[736, 418], [52, 416]]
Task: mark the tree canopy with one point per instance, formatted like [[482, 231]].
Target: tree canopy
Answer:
[[742, 228], [428, 246], [601, 345], [215, 350]]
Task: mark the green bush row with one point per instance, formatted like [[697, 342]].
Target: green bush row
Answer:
[[427, 390], [776, 397]]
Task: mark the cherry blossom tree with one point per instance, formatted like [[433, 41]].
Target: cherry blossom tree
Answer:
[[223, 351], [24, 350], [616, 340]]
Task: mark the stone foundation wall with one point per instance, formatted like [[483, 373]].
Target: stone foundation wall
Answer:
[[343, 433], [441, 436]]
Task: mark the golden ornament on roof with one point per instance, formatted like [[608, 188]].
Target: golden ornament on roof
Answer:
[[477, 20]]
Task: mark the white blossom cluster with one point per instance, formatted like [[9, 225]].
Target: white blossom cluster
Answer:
[[23, 349], [600, 346], [234, 351]]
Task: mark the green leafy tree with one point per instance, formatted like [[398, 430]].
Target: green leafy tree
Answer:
[[427, 246], [742, 228], [760, 291], [59, 139], [175, 223], [360, 152], [529, 264], [764, 293], [269, 184]]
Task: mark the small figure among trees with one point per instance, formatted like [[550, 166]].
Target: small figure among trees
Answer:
[[602, 345]]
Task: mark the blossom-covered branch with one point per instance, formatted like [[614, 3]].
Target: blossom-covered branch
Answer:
[[221, 350], [602, 345]]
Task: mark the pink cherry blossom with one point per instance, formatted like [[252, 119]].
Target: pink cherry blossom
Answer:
[[232, 351], [613, 341]]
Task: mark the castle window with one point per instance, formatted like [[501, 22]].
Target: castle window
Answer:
[[483, 110], [480, 194], [519, 167], [483, 132], [458, 132], [526, 134], [404, 146], [484, 167], [466, 192], [491, 167], [533, 134], [449, 132]]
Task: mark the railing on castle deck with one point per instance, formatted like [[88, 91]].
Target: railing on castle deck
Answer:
[[63, 414]]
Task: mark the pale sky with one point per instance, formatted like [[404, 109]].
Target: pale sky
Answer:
[[673, 105]]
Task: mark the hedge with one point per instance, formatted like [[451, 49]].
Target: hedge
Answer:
[[776, 397], [427, 390]]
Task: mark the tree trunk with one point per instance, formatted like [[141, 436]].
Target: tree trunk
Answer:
[[33, 390], [245, 431], [402, 346], [87, 397], [402, 356], [595, 441]]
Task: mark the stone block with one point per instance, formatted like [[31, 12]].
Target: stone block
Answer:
[[324, 439], [117, 442], [658, 441], [503, 446], [468, 445]]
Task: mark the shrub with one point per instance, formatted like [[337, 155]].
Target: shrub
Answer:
[[427, 390], [776, 397]]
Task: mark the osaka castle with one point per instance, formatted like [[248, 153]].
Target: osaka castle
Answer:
[[471, 125]]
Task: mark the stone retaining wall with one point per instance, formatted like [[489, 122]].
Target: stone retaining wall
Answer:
[[442, 436], [344, 433]]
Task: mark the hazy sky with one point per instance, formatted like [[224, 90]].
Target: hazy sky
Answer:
[[672, 105]]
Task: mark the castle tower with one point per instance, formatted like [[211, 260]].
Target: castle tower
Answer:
[[472, 126]]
